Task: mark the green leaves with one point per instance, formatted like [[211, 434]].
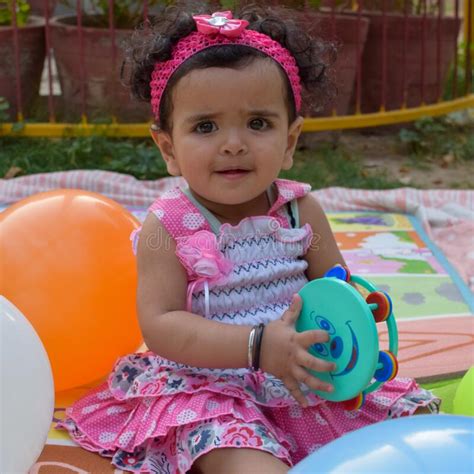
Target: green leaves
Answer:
[[4, 106], [461, 85], [6, 12], [436, 137], [126, 13], [139, 158], [142, 161], [335, 166]]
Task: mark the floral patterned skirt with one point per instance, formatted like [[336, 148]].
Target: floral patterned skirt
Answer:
[[156, 416]]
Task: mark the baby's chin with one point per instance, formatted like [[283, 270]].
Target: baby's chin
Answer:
[[226, 196]]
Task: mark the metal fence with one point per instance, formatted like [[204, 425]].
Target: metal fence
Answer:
[[398, 60]]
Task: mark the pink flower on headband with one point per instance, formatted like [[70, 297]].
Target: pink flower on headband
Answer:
[[220, 22]]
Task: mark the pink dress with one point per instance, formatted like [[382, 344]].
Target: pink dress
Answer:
[[155, 415]]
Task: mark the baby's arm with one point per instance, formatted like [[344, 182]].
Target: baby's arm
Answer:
[[168, 329], [323, 252]]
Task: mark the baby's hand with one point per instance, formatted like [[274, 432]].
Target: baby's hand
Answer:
[[284, 353]]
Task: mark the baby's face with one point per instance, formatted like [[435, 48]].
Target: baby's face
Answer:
[[230, 134]]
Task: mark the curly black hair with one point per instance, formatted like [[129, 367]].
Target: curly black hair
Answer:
[[153, 41]]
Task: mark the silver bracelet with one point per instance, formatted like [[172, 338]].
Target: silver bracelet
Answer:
[[250, 347]]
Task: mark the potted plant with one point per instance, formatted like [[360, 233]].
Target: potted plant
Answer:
[[31, 49], [90, 77], [349, 33], [410, 62]]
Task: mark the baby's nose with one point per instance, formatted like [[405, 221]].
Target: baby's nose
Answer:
[[234, 144]]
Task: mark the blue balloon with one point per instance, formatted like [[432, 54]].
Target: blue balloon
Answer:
[[414, 444]]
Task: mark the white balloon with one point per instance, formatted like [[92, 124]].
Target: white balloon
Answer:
[[26, 391]]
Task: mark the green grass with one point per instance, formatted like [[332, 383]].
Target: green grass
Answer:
[[336, 166], [436, 137], [327, 166], [136, 157]]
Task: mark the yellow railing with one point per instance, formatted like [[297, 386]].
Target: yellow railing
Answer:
[[310, 124]]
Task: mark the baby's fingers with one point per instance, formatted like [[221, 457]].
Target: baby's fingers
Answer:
[[310, 381], [291, 314], [308, 338], [305, 359]]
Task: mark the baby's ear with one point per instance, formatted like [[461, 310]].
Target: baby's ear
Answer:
[[164, 142], [294, 131]]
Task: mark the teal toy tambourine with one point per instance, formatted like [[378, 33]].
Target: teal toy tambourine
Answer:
[[332, 304]]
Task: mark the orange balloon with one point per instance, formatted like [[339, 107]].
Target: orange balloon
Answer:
[[67, 264]]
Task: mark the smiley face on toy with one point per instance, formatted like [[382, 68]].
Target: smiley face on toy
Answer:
[[342, 348], [334, 306]]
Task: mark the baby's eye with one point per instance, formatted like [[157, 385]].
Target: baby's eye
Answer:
[[258, 124], [206, 127]]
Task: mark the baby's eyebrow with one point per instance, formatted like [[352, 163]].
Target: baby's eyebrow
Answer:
[[264, 113], [208, 116], [200, 117]]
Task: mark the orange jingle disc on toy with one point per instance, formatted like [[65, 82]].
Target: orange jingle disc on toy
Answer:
[[68, 265]]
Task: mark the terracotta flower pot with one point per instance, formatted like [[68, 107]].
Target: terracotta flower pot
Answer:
[[104, 94], [372, 60], [390, 5], [32, 53], [346, 31], [37, 7]]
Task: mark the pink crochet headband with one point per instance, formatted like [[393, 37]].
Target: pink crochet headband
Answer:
[[221, 29]]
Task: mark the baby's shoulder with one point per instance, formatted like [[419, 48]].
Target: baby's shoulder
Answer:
[[152, 237], [310, 210], [171, 201], [178, 214], [289, 189]]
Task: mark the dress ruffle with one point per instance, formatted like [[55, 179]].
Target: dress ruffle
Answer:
[[261, 226], [149, 375], [147, 399]]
